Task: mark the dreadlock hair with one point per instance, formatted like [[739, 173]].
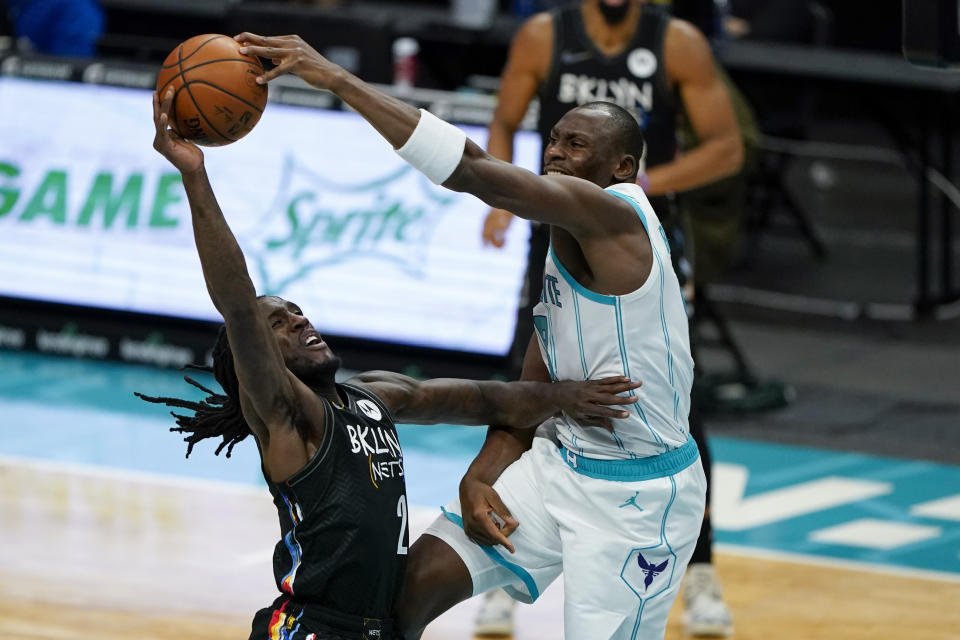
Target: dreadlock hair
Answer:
[[219, 414]]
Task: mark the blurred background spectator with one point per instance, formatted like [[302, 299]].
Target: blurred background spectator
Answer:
[[57, 27]]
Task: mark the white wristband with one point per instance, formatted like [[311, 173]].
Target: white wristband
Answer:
[[435, 147]]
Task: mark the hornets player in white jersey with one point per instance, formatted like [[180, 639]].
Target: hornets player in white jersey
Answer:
[[616, 510]]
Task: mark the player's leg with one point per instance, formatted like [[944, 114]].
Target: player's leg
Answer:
[[706, 614], [436, 579], [432, 585], [495, 615], [703, 552], [626, 546]]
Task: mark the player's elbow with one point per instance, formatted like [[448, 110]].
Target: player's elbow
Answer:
[[503, 127], [729, 153], [737, 154]]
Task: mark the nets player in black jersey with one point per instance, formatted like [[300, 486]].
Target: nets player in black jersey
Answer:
[[330, 452], [634, 54]]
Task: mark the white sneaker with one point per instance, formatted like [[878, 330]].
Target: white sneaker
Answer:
[[495, 618], [707, 615]]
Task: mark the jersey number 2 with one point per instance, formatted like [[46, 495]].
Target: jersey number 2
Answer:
[[402, 514]]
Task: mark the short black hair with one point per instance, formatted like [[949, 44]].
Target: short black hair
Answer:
[[623, 127]]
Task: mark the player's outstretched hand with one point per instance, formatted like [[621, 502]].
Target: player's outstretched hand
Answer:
[[290, 54], [183, 155], [495, 227], [486, 520], [594, 402]]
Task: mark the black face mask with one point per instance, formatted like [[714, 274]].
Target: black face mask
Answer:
[[614, 14]]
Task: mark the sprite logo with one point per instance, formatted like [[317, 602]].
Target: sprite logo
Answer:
[[315, 222]]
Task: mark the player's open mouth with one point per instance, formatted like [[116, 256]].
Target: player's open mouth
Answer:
[[313, 341], [556, 172]]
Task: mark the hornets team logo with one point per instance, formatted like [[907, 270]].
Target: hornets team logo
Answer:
[[649, 571]]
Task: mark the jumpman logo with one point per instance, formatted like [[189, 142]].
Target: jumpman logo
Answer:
[[650, 570], [632, 501]]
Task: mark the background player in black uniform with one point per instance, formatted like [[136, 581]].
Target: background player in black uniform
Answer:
[[330, 452], [658, 68]]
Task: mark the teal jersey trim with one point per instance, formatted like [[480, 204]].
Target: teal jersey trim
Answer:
[[666, 512], [553, 342], [621, 340], [579, 288], [636, 207], [666, 339], [650, 468], [515, 569], [542, 326], [673, 566], [583, 355], [663, 319]]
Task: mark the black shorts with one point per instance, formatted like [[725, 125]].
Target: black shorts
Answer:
[[287, 619]]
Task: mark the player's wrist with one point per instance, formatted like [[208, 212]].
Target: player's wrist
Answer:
[[191, 173], [338, 79]]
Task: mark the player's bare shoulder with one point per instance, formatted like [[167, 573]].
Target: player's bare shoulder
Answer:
[[532, 45], [392, 389], [685, 51]]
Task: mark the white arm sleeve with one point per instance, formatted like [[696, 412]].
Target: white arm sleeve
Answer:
[[435, 147]]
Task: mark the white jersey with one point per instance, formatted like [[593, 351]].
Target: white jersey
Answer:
[[584, 335]]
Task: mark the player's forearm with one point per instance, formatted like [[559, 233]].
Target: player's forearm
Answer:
[[394, 119], [523, 404], [500, 141], [473, 402], [224, 267], [502, 447], [708, 162]]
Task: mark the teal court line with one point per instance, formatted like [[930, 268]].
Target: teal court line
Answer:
[[81, 412]]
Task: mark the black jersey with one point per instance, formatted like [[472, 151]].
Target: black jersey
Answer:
[[343, 517], [634, 79]]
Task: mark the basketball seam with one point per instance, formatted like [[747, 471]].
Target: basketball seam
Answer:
[[173, 120], [229, 93], [194, 101], [183, 71], [180, 57]]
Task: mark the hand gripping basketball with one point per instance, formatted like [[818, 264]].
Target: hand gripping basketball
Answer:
[[216, 99], [183, 155], [290, 54]]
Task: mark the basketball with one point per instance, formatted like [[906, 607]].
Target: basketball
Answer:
[[216, 97]]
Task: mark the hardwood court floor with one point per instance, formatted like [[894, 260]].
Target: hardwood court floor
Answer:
[[88, 554]]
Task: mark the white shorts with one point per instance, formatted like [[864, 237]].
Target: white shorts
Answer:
[[622, 544]]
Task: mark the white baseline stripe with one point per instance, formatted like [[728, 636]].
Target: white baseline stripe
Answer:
[[130, 475], [425, 514], [835, 563]]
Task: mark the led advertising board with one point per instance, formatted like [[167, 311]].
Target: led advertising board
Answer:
[[327, 214]]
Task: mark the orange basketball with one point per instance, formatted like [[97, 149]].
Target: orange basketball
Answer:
[[216, 97]]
